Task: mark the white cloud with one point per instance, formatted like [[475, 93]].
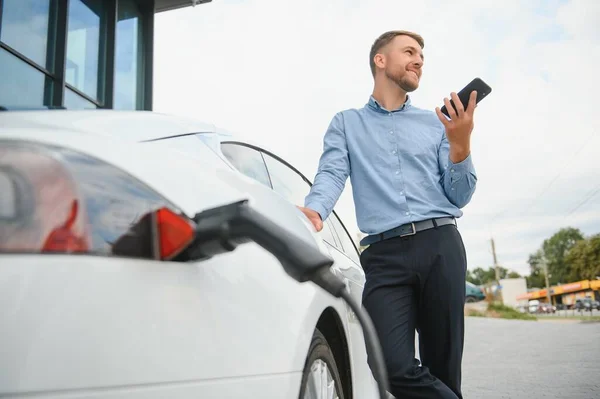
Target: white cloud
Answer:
[[581, 19], [277, 71]]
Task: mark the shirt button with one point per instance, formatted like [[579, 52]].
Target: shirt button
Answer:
[[397, 172], [391, 132], [394, 152], [401, 192], [407, 213], [451, 170]]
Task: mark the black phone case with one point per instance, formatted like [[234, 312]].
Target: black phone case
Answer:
[[476, 84]]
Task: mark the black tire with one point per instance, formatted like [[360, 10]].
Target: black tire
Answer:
[[470, 299], [320, 350]]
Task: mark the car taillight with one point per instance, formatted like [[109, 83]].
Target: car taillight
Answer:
[[174, 233], [57, 200], [63, 238], [44, 210]]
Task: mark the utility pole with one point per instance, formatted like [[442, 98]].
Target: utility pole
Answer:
[[545, 266], [497, 268], [495, 262]]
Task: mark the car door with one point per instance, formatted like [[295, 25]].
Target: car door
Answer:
[[289, 182], [348, 248], [355, 284], [293, 186]]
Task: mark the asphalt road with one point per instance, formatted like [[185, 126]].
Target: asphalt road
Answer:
[[525, 359]]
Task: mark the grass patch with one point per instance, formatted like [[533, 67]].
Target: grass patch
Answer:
[[475, 313], [506, 312], [499, 311]]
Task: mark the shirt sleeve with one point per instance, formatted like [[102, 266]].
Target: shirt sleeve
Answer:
[[333, 170], [459, 179]]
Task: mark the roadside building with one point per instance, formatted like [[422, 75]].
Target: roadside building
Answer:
[[566, 294], [511, 288]]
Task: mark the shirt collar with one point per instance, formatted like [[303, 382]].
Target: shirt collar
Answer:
[[374, 105]]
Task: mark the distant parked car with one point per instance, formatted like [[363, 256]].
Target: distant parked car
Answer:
[[533, 306], [584, 304], [474, 293], [546, 308]]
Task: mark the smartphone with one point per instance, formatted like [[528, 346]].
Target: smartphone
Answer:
[[482, 88]]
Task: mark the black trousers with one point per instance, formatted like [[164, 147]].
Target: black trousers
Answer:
[[418, 283]]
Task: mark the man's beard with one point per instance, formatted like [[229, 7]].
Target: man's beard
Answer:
[[403, 81]]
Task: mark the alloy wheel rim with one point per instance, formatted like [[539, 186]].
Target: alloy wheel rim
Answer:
[[320, 383]]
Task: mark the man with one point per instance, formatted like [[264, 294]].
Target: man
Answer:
[[411, 173]]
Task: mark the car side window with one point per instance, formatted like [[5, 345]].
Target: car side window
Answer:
[[286, 181], [292, 187], [248, 161], [347, 242]]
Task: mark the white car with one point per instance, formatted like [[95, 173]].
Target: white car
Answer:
[[98, 298]]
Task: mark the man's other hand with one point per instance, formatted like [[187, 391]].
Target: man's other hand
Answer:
[[314, 217], [459, 127]]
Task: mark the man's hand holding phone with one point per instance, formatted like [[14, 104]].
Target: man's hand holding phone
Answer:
[[459, 126]]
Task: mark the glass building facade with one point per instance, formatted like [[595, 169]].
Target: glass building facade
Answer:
[[78, 54]]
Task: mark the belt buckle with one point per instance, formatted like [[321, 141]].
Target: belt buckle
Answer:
[[414, 231]]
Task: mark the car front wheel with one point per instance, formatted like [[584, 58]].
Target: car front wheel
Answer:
[[320, 378]]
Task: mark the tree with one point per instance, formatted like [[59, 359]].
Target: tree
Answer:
[[471, 278], [476, 276], [584, 259], [536, 279], [480, 276], [556, 249], [513, 274], [536, 276]]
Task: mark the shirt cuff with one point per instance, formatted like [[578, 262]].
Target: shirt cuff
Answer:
[[466, 165], [315, 206], [456, 171]]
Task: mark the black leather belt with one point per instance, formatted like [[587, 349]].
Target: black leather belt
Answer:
[[408, 229]]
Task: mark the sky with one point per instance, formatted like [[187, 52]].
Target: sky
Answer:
[[276, 71]]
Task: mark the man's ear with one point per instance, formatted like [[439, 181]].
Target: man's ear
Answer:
[[379, 60]]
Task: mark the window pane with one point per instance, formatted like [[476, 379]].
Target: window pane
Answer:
[[75, 101], [86, 18], [25, 27], [292, 187], [128, 57], [286, 181], [347, 243], [20, 83], [247, 161]]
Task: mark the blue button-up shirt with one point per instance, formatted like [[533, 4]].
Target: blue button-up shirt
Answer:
[[399, 167]]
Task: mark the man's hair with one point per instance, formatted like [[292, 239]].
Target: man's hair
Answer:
[[385, 39]]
